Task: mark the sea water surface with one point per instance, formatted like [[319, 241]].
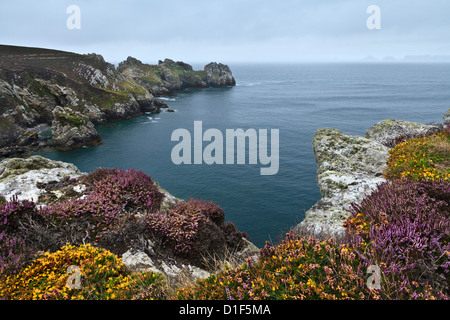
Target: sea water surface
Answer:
[[295, 99]]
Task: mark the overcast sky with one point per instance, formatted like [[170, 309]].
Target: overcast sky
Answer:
[[231, 30]]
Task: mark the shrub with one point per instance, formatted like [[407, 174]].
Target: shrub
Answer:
[[406, 225], [115, 193], [426, 157], [295, 269], [195, 229], [102, 277], [14, 253]]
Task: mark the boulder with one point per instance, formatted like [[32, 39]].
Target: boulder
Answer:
[[447, 118]]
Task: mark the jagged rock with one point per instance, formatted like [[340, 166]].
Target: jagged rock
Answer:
[[71, 129], [138, 261], [390, 132], [349, 168], [34, 81], [218, 75], [22, 177]]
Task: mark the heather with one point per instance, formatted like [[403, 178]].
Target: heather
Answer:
[[297, 268], [406, 224], [194, 227]]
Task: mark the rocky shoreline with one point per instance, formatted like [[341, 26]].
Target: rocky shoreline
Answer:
[[69, 93]]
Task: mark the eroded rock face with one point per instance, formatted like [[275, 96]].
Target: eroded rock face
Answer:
[[390, 132], [34, 81], [169, 76], [219, 75], [71, 129], [349, 168]]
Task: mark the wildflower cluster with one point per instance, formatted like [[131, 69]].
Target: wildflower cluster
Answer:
[[14, 254], [295, 269], [425, 157], [114, 193], [407, 226], [103, 276]]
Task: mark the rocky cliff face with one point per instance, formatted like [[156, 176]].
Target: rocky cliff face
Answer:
[[169, 76], [33, 82], [350, 167]]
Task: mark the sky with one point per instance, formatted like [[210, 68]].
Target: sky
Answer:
[[230, 31]]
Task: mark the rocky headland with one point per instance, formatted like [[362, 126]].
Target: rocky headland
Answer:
[[350, 167], [69, 93]]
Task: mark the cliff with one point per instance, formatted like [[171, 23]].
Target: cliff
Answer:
[[34, 81], [169, 76], [350, 167]]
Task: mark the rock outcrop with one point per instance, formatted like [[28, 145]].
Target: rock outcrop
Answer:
[[447, 118], [72, 129], [390, 132], [170, 76], [349, 168], [218, 75], [24, 177]]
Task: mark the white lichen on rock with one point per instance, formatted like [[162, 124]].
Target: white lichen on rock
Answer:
[[349, 168]]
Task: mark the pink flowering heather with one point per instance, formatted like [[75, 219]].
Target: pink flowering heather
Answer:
[[406, 226]]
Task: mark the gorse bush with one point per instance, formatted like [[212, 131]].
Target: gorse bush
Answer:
[[295, 269], [102, 276], [426, 157]]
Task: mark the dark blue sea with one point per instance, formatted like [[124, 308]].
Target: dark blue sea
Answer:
[[295, 99]]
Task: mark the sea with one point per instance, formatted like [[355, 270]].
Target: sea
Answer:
[[296, 100]]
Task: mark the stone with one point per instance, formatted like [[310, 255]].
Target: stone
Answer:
[[138, 261], [218, 74], [22, 177], [390, 132], [71, 129], [349, 168]]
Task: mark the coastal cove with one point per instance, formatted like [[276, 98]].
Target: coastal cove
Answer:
[[295, 99]]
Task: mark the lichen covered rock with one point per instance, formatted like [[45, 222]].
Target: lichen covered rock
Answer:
[[71, 129], [349, 168], [390, 132], [23, 177]]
